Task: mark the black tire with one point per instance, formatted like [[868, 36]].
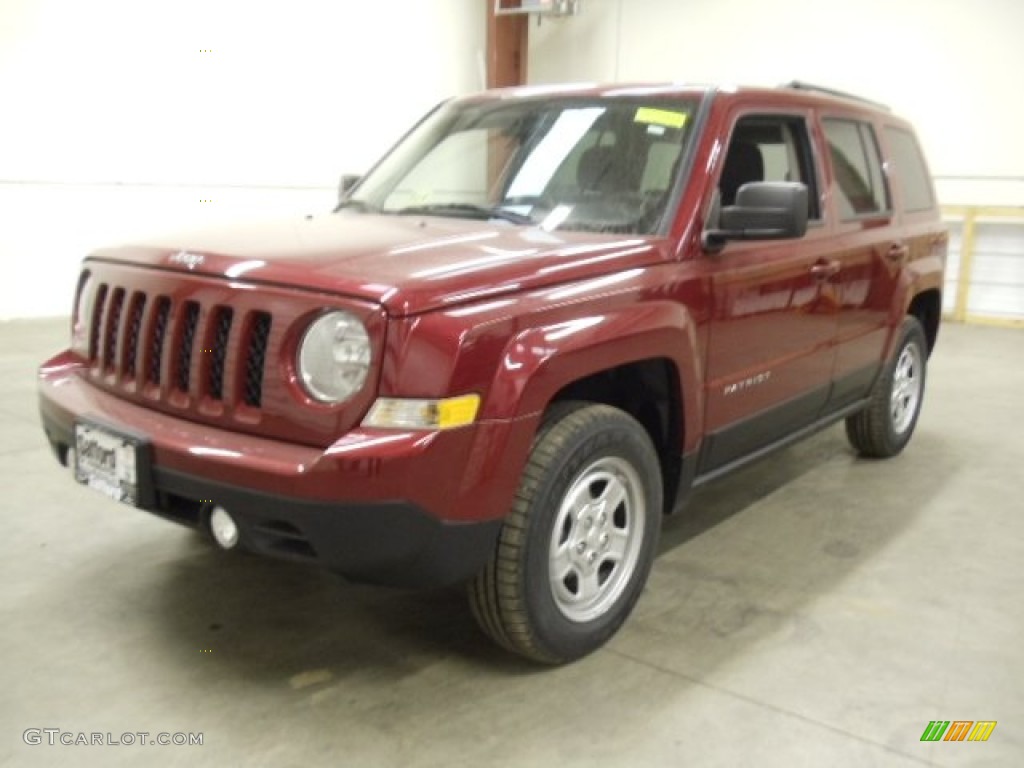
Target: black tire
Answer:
[[602, 545], [884, 428]]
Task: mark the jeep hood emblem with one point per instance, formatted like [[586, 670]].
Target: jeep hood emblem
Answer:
[[186, 259]]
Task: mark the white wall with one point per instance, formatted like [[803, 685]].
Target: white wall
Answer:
[[127, 116], [953, 67]]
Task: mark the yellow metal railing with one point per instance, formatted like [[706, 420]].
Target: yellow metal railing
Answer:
[[969, 215]]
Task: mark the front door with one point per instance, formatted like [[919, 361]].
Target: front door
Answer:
[[771, 345]]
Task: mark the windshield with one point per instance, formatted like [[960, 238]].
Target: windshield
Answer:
[[573, 164]]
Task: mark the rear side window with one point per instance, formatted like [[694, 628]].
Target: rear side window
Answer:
[[860, 185], [910, 170]]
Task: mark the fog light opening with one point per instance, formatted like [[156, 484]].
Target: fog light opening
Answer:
[[224, 528]]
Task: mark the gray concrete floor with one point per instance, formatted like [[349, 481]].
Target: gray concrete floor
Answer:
[[813, 610]]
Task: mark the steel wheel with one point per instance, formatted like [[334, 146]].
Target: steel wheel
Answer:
[[906, 388], [596, 539]]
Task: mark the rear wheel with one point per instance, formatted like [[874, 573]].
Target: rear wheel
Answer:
[[885, 427], [575, 550]]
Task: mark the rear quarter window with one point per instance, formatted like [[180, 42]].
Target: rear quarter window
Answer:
[[909, 170]]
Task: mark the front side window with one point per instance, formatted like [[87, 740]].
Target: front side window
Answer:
[[573, 164], [769, 148], [857, 168]]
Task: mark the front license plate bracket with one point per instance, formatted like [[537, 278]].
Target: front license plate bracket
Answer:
[[114, 461]]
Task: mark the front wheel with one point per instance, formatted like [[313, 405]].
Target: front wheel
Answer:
[[884, 428], [575, 550]]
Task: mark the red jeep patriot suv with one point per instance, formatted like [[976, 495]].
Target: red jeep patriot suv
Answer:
[[528, 332]]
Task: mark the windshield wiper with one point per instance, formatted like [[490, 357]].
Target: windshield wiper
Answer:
[[464, 209]]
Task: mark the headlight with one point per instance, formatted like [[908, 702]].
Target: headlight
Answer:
[[334, 357]]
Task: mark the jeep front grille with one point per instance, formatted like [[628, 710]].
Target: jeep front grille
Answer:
[[212, 350], [153, 331]]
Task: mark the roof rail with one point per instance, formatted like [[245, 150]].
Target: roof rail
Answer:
[[799, 85]]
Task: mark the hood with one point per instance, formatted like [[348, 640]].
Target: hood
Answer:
[[409, 264]]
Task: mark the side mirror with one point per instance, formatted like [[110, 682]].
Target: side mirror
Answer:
[[764, 210], [348, 182]]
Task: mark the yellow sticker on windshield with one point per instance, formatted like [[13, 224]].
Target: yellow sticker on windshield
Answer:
[[660, 117]]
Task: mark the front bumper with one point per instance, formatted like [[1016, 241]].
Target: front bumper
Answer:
[[400, 508], [391, 542]]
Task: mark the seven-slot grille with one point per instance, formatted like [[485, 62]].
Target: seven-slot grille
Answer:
[[132, 335], [208, 350]]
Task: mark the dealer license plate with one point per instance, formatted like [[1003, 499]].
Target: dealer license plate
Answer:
[[108, 462]]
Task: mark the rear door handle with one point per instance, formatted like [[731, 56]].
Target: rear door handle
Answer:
[[898, 252], [823, 270]]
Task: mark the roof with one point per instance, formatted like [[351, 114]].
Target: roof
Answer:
[[807, 91]]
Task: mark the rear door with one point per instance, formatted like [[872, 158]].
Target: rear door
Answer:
[[774, 322], [868, 248]]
